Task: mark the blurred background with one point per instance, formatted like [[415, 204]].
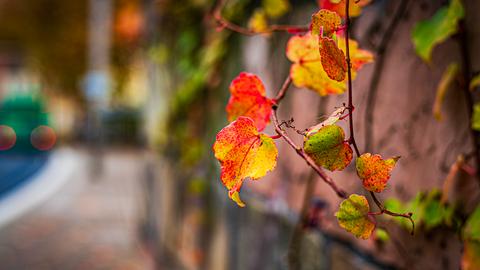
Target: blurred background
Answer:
[[109, 110]]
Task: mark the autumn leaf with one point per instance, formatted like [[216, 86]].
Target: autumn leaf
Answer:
[[429, 33], [258, 22], [353, 216], [374, 171], [248, 99], [326, 22], [327, 147], [333, 59], [243, 153], [355, 7], [307, 70], [446, 81]]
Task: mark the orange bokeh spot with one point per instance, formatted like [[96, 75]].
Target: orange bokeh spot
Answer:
[[43, 138], [7, 137]]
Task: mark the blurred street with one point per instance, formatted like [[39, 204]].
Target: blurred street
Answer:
[[90, 223]]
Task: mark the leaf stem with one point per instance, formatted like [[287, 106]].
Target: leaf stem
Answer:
[[350, 107], [384, 210], [329, 181], [281, 93]]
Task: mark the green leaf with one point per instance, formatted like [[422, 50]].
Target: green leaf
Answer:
[[476, 117], [433, 213], [327, 147], [353, 216], [472, 226], [448, 78], [429, 33]]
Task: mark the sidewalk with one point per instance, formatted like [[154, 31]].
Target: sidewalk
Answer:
[[88, 224]]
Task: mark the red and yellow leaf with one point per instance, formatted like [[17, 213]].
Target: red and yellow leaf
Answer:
[[374, 171], [355, 7], [307, 70], [243, 152], [248, 99], [327, 147], [353, 216], [326, 22], [333, 59]]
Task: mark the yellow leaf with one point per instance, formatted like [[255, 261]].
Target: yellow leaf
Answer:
[[353, 216], [326, 22], [307, 70]]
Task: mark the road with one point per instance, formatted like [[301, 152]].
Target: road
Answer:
[[92, 222]]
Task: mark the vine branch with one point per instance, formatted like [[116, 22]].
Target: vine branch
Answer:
[[217, 15], [349, 72], [327, 179], [350, 107]]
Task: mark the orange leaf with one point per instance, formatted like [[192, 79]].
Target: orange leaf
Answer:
[[333, 59], [243, 153], [248, 99], [307, 70], [374, 171], [339, 6], [326, 22]]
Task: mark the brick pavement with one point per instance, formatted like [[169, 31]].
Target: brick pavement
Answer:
[[90, 224]]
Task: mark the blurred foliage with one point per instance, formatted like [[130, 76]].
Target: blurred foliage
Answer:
[[51, 38], [428, 211], [429, 33], [51, 35]]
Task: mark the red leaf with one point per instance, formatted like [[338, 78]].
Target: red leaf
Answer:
[[248, 99]]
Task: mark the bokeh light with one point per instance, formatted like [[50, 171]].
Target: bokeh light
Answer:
[[7, 137], [43, 138]]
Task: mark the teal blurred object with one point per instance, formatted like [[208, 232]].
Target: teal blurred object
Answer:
[[23, 111]]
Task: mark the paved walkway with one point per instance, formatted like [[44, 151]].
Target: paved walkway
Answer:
[[91, 223]]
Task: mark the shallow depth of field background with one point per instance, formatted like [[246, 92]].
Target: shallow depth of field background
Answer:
[[109, 110]]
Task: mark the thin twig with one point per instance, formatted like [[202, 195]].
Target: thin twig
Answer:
[[384, 210], [217, 15], [329, 181], [349, 72], [350, 107], [281, 93]]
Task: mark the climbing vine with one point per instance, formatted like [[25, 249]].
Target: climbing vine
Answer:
[[325, 60]]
